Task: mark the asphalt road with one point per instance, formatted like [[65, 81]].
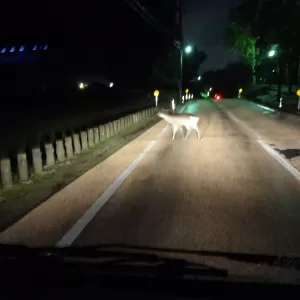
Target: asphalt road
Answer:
[[223, 192]]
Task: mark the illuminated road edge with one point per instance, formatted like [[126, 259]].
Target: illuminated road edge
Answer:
[[265, 107], [88, 216], [281, 159]]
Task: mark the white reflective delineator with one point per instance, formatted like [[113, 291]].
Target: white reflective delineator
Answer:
[[173, 105]]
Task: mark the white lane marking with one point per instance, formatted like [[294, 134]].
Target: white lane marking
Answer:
[[237, 120], [265, 107], [88, 216], [282, 160], [80, 225]]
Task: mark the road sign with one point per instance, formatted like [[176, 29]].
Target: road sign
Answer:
[[298, 93], [240, 90], [187, 90], [156, 93]]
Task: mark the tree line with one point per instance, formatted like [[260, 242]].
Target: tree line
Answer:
[[267, 30], [166, 66]]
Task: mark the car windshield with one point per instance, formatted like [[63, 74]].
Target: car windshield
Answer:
[[162, 124]]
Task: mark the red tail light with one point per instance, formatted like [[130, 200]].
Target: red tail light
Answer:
[[218, 96]]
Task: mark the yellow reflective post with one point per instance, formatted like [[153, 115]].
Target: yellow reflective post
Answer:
[[156, 93], [240, 92], [298, 94], [186, 94]]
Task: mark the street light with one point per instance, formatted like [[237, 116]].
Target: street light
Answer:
[[199, 77], [187, 49], [272, 53]]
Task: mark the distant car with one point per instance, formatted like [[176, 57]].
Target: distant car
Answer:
[[218, 96]]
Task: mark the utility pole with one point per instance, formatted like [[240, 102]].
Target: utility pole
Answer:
[[280, 63], [298, 77], [180, 37]]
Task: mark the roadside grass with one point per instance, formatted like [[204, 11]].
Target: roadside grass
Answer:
[[22, 198]]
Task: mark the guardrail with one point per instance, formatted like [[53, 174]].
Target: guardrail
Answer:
[[36, 160]]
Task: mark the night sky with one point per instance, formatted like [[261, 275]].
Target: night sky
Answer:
[[204, 24]]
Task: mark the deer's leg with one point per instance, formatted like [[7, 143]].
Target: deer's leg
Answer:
[[195, 127], [188, 131], [181, 130], [175, 128]]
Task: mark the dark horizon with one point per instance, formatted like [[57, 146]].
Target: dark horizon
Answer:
[[116, 42]]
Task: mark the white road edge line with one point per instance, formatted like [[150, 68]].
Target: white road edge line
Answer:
[[88, 216], [282, 160], [265, 107]]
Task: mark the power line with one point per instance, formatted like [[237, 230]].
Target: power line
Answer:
[[145, 17], [142, 11], [152, 21], [166, 31]]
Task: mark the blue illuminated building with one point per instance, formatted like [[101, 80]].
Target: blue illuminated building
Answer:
[[14, 54]]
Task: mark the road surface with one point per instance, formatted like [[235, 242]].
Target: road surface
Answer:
[[224, 192]]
